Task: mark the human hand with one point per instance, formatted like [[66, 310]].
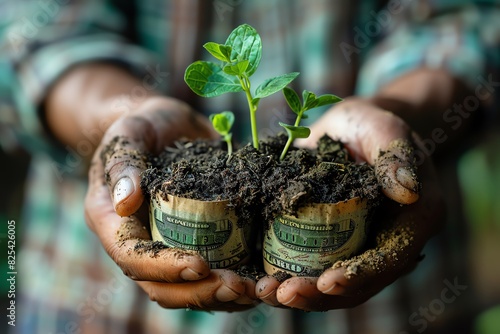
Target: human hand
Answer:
[[402, 230], [114, 211]]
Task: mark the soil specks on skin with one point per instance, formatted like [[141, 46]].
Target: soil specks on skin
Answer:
[[119, 151], [399, 152], [151, 247], [281, 276], [131, 229], [390, 249]]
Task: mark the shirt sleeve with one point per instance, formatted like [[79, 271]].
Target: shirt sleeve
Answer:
[[42, 40], [460, 36]]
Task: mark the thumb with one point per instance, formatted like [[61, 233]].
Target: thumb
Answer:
[[124, 161], [378, 137], [156, 123], [395, 171]]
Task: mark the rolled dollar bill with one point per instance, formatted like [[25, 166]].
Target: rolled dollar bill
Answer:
[[316, 238], [208, 227]]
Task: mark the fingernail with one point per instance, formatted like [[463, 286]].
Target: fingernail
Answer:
[[226, 294], [123, 189], [189, 274], [291, 300], [407, 178], [330, 289], [269, 294]]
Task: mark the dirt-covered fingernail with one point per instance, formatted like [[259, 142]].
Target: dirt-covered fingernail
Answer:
[[123, 189], [407, 178], [189, 274], [226, 294]]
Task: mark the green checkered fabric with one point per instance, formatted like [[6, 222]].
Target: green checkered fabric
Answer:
[[67, 282]]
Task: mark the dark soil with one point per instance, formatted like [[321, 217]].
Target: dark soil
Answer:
[[257, 184], [257, 181]]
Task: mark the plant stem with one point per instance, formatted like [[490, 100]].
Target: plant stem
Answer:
[[299, 118], [290, 137], [287, 146], [245, 84], [229, 146]]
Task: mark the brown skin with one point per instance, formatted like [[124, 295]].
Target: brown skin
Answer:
[[374, 130], [80, 102], [83, 100]]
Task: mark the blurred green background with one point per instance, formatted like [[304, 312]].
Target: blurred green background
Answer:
[[479, 176]]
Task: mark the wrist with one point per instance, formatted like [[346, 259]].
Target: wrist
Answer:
[[88, 99]]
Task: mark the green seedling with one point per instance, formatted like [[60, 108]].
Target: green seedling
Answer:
[[222, 123], [309, 101], [239, 58]]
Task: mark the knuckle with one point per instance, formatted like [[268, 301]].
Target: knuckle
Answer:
[[113, 168], [127, 272], [153, 296], [116, 254], [136, 121]]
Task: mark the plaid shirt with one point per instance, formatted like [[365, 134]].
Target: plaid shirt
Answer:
[[68, 283]]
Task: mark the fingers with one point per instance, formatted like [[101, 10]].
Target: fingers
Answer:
[[366, 274], [378, 137], [297, 292], [128, 242], [158, 123], [395, 172], [221, 290], [386, 142], [302, 293], [124, 161], [351, 282], [266, 289], [401, 235]]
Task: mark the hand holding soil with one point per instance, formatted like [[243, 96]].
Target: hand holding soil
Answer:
[[173, 278], [383, 140]]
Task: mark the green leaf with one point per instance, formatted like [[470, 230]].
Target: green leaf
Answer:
[[296, 131], [236, 69], [292, 99], [309, 100], [219, 51], [222, 122], [326, 99], [245, 44], [230, 118], [273, 85], [208, 80]]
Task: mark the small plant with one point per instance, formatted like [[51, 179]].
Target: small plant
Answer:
[[239, 58], [309, 101], [222, 123]]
